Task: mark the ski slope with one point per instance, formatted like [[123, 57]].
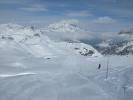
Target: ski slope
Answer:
[[26, 77], [34, 67]]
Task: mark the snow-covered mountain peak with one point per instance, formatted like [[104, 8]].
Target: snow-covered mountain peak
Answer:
[[65, 26]]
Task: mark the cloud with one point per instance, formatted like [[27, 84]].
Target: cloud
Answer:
[[104, 20], [83, 13], [35, 8]]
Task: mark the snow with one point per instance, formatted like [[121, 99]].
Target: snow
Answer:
[[66, 77], [13, 75], [38, 68]]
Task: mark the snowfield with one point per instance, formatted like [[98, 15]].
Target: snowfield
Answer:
[[34, 67]]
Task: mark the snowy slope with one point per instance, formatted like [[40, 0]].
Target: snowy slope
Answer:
[[24, 77]]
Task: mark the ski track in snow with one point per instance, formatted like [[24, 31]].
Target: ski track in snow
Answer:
[[19, 74]]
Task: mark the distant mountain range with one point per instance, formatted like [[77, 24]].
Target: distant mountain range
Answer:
[[118, 46], [36, 43]]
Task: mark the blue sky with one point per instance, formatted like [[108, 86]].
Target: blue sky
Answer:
[[98, 15]]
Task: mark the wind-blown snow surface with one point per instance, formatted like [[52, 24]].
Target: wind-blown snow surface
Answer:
[[66, 76]]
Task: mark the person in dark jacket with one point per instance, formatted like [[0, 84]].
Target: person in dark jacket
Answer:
[[99, 66]]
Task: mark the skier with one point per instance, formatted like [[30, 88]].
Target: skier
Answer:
[[99, 66]]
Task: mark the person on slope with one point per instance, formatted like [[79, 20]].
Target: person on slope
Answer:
[[99, 66]]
